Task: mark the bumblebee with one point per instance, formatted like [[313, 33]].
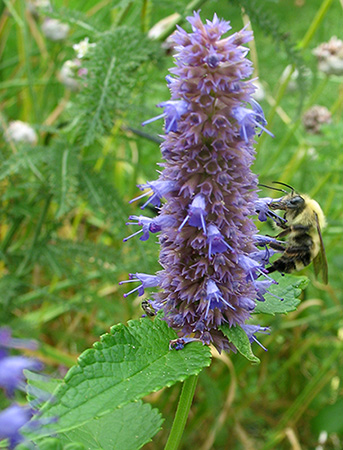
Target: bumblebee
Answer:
[[304, 220]]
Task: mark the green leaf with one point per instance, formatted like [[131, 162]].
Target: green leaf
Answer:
[[127, 364], [27, 158], [240, 340], [329, 419], [288, 288], [54, 444], [101, 195], [126, 428], [63, 164], [111, 78]]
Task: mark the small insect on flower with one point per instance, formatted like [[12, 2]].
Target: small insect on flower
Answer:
[[148, 308], [304, 222]]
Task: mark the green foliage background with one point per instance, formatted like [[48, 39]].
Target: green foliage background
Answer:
[[64, 204]]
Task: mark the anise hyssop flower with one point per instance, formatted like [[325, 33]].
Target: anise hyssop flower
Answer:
[[212, 272]]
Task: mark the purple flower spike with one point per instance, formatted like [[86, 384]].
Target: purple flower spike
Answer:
[[11, 372], [212, 272], [12, 420], [15, 418], [146, 280]]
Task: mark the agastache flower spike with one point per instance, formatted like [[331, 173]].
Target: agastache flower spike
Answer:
[[212, 272]]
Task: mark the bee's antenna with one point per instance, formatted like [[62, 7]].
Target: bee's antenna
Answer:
[[271, 187], [284, 184]]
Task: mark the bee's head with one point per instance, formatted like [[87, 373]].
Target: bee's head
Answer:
[[290, 202]]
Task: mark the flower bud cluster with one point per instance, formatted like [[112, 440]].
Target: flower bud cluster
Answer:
[[315, 117], [72, 73], [330, 56], [212, 272]]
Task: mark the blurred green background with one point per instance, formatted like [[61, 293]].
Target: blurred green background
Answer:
[[64, 203]]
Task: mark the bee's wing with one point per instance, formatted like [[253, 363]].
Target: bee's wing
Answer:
[[320, 263]]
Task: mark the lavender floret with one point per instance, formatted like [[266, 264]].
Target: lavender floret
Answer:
[[158, 189], [149, 225], [146, 281]]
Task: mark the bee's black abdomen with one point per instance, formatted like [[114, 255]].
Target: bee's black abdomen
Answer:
[[283, 265], [293, 257]]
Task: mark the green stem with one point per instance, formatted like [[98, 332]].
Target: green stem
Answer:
[[315, 23], [144, 13], [182, 411]]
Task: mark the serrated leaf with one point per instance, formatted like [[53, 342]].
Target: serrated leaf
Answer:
[[288, 288], [54, 444], [129, 428], [239, 338], [127, 364]]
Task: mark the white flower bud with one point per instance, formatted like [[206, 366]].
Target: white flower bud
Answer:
[[19, 131], [55, 30]]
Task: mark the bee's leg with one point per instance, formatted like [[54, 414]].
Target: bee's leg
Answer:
[[279, 221], [284, 233], [303, 228], [281, 247]]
